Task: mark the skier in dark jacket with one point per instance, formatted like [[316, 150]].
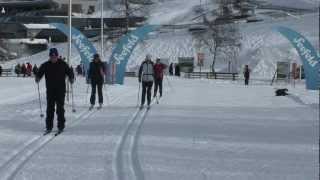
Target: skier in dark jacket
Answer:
[[246, 74], [96, 77], [55, 71], [158, 71], [146, 76]]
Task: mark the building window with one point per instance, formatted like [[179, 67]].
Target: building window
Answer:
[[91, 9]]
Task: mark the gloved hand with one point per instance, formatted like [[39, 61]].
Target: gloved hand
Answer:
[[36, 79], [72, 80]]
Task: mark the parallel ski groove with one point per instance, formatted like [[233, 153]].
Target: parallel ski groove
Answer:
[[16, 162], [129, 137]]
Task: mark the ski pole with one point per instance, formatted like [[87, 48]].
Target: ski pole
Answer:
[[41, 114], [87, 93], [107, 95], [168, 81], [72, 97], [138, 94]]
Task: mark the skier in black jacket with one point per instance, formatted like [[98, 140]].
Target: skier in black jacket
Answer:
[[55, 71], [96, 77]]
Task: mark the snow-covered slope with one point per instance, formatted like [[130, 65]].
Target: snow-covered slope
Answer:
[[261, 46]]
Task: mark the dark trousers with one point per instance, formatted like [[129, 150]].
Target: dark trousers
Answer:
[[246, 81], [146, 90], [158, 84], [53, 99], [94, 86]]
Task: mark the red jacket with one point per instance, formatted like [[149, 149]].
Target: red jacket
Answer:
[[158, 70]]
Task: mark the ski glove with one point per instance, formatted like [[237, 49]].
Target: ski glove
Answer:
[[71, 81], [37, 80]]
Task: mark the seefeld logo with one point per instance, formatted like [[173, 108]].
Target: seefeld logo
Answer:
[[126, 49], [78, 40], [304, 51]]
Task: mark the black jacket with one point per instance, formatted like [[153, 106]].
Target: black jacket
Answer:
[[55, 74], [96, 71]]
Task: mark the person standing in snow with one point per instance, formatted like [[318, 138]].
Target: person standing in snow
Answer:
[[23, 70], [146, 77], [55, 71], [0, 70], [158, 71], [177, 70], [29, 69], [35, 69], [17, 69], [96, 77], [171, 69], [246, 74]]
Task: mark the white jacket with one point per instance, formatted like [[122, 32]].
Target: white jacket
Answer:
[[146, 71]]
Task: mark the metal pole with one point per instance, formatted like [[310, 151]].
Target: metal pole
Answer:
[[127, 15], [102, 28], [69, 42]]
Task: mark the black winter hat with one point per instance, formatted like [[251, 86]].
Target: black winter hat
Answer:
[[96, 56], [53, 51]]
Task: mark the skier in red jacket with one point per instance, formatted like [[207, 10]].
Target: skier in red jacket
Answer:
[[159, 71]]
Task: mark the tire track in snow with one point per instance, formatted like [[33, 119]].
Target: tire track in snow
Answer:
[[16, 162], [126, 164]]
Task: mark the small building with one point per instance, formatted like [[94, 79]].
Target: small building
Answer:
[[79, 6]]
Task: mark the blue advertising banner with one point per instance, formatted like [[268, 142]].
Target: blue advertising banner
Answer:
[[124, 48], [80, 41], [309, 56]]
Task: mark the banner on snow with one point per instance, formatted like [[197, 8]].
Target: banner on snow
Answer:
[[124, 48], [308, 55], [80, 41]]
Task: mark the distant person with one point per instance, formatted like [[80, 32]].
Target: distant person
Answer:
[[55, 71], [29, 69], [96, 77], [35, 69], [159, 72], [23, 70], [17, 69], [246, 74], [171, 69], [79, 70], [177, 70], [146, 77], [0, 70]]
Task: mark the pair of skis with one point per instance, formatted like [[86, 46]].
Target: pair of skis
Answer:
[[98, 108], [149, 106], [55, 134]]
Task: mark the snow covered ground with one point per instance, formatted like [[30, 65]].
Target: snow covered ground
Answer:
[[202, 129]]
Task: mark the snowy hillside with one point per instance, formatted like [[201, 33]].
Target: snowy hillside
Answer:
[[261, 47]]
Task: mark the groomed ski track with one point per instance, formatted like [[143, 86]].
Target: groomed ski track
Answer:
[[20, 157], [126, 164]]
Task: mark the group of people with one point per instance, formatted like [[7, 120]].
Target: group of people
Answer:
[[56, 70], [149, 74], [25, 69]]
